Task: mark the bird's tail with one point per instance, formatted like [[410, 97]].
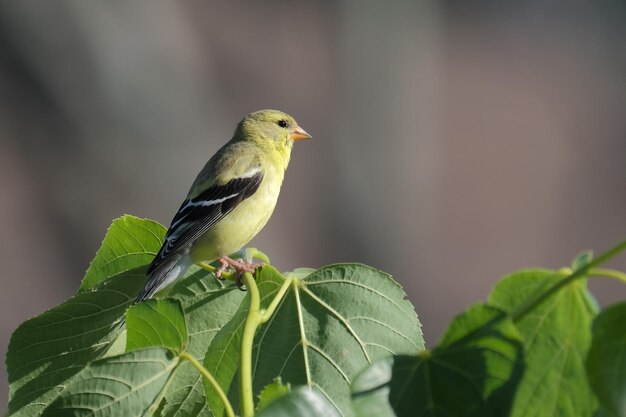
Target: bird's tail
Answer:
[[164, 275]]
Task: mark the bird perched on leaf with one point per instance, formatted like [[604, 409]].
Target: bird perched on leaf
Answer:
[[230, 201]]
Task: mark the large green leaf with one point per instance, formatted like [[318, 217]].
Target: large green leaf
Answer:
[[473, 372], [156, 323], [330, 325], [336, 321], [46, 351], [301, 402], [606, 364], [128, 385], [130, 243], [208, 306], [557, 336], [68, 337]]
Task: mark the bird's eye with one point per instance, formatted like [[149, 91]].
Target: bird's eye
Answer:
[[282, 123]]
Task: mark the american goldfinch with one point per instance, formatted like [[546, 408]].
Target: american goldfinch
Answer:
[[230, 201]]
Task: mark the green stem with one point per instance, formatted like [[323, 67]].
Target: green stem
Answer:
[[210, 268], [269, 311], [254, 253], [255, 318], [250, 254], [207, 375], [539, 297], [608, 273], [252, 323]]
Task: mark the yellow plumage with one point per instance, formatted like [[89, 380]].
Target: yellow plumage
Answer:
[[245, 221], [232, 198]]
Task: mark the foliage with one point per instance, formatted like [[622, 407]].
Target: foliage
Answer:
[[342, 340]]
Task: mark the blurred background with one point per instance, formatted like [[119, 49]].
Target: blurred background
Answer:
[[454, 142]]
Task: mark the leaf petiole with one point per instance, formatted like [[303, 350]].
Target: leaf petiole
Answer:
[[269, 311], [253, 253], [607, 273], [211, 269], [534, 300], [255, 318], [211, 379]]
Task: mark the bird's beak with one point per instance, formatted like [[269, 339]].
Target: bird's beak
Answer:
[[299, 134]]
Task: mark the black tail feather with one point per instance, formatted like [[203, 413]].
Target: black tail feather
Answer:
[[161, 276]]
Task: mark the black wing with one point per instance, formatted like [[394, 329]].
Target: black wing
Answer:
[[197, 215]]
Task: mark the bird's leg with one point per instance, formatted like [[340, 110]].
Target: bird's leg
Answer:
[[223, 267], [239, 265]]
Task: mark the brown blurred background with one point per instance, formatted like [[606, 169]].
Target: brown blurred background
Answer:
[[453, 142]]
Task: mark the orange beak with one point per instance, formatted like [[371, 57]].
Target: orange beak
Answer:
[[299, 134]]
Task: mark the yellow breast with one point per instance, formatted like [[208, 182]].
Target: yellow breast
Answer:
[[242, 224]]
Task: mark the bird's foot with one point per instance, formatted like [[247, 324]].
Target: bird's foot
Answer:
[[223, 267], [240, 266]]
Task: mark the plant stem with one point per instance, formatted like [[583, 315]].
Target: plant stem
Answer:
[[207, 375], [539, 297], [254, 253], [210, 268], [269, 311], [252, 323], [608, 273], [255, 318]]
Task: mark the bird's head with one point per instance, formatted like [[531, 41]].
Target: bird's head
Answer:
[[271, 129]]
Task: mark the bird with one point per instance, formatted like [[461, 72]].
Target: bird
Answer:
[[229, 202]]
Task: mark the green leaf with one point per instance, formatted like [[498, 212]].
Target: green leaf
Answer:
[[272, 392], [372, 387], [208, 306], [557, 336], [336, 321], [127, 385], [301, 402], [602, 413], [329, 326], [301, 272], [473, 372], [582, 259], [130, 243], [606, 366], [156, 323], [46, 351]]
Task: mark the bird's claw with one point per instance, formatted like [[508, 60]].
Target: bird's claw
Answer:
[[223, 267], [240, 266], [239, 282]]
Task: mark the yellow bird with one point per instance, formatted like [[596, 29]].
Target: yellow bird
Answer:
[[230, 201]]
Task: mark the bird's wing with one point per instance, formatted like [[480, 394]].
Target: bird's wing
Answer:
[[198, 214]]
